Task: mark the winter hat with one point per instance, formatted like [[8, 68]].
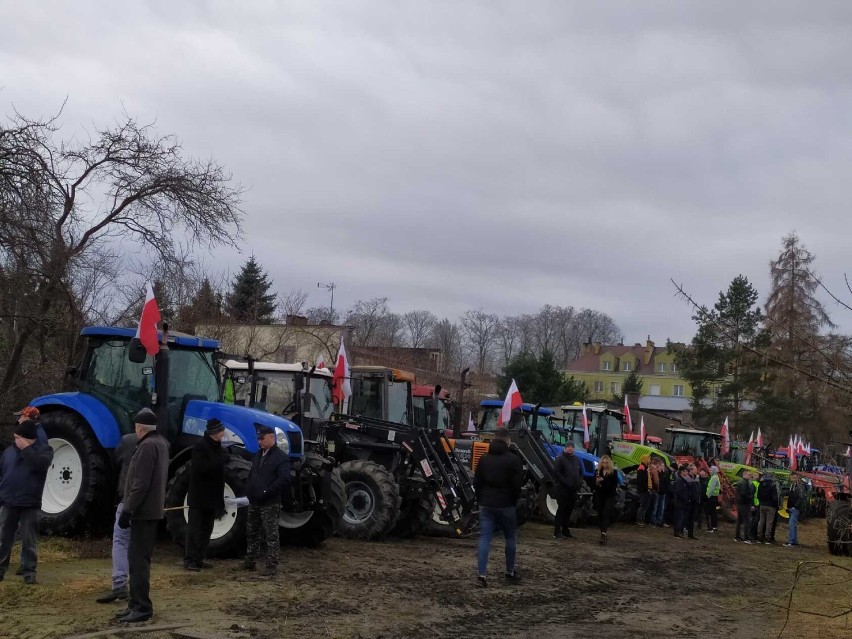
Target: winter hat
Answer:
[[146, 417], [214, 426], [27, 430], [264, 430], [714, 470], [30, 412]]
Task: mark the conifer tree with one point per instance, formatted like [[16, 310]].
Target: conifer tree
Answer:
[[250, 300]]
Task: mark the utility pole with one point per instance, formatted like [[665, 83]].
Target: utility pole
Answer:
[[330, 288]]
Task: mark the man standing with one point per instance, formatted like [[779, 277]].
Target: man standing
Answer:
[[745, 503], [23, 471], [120, 536], [497, 481], [767, 496], [664, 477], [268, 478], [569, 475], [643, 487], [206, 497], [32, 414], [794, 499], [682, 504], [144, 496], [711, 503]]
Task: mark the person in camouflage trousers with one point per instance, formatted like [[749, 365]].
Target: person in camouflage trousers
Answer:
[[268, 479]]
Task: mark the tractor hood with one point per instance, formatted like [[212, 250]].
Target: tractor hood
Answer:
[[241, 424]]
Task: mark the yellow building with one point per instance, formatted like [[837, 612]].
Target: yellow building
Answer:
[[603, 369]]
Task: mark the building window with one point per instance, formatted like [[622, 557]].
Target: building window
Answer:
[[607, 366], [599, 387], [615, 388], [626, 366], [678, 390], [655, 389], [674, 367], [718, 391], [661, 367]]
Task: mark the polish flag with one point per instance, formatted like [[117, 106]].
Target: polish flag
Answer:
[[749, 449], [792, 452], [321, 360], [642, 430], [586, 440], [147, 330], [341, 387], [725, 437], [808, 449], [627, 419], [759, 439], [513, 400], [470, 425], [849, 451]]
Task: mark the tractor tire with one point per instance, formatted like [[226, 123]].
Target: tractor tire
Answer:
[[584, 508], [311, 528], [229, 531], [547, 506], [415, 515], [626, 504], [77, 497], [839, 524], [372, 500], [527, 504]]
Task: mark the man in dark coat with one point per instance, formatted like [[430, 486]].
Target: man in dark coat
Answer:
[[144, 496], [682, 495], [268, 479], [498, 479], [745, 504], [206, 497], [569, 475], [120, 536], [23, 471]]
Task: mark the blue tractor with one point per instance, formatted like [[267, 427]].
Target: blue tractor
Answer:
[[114, 380]]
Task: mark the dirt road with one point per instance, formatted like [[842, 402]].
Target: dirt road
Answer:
[[643, 584]]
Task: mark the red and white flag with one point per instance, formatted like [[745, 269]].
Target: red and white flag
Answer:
[[749, 449], [759, 439], [321, 360], [808, 449], [470, 424], [513, 400], [726, 447], [341, 387], [627, 419], [586, 440], [642, 430], [849, 451], [792, 452], [147, 330]]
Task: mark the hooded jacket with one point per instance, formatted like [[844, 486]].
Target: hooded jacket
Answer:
[[499, 476], [745, 493], [23, 473]]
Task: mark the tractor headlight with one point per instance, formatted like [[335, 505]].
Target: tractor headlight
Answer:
[[232, 438], [281, 440]]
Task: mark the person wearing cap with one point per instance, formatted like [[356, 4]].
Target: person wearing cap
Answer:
[[569, 475], [34, 415], [268, 479], [120, 536], [144, 496], [497, 481], [23, 472], [711, 502], [206, 495]]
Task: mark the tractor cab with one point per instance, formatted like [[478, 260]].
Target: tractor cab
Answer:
[[491, 416], [687, 444], [431, 407], [381, 393]]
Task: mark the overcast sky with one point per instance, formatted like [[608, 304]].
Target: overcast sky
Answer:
[[452, 155]]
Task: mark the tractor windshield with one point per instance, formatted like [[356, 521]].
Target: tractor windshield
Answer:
[[276, 393], [398, 402], [121, 384], [694, 445], [191, 375]]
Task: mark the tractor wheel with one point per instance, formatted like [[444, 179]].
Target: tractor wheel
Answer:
[[626, 504], [312, 527], [77, 496], [229, 530], [547, 506], [415, 515], [526, 505], [372, 500], [839, 523], [583, 508]]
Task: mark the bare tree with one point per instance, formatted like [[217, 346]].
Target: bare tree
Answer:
[[366, 317], [480, 331], [322, 314], [292, 302], [418, 327], [60, 198], [389, 331], [446, 336]]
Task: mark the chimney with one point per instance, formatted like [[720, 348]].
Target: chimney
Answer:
[[597, 348], [587, 348], [649, 351], [297, 320]]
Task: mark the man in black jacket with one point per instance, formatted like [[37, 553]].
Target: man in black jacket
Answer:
[[144, 496], [745, 504], [681, 495], [268, 479], [569, 474], [23, 471], [498, 479], [206, 496]]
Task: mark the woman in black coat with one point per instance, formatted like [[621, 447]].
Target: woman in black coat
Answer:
[[606, 486]]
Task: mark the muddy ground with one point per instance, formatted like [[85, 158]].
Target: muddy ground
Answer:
[[644, 583]]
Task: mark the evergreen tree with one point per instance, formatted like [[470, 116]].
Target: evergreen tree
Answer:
[[539, 380], [250, 300], [632, 386], [720, 363], [205, 306], [796, 318]]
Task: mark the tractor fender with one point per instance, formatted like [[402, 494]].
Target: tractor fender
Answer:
[[99, 418], [240, 424]]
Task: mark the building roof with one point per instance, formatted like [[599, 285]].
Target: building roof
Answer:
[[590, 362], [664, 404]]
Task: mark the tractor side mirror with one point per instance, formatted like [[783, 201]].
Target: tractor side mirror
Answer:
[[241, 380], [136, 352]]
